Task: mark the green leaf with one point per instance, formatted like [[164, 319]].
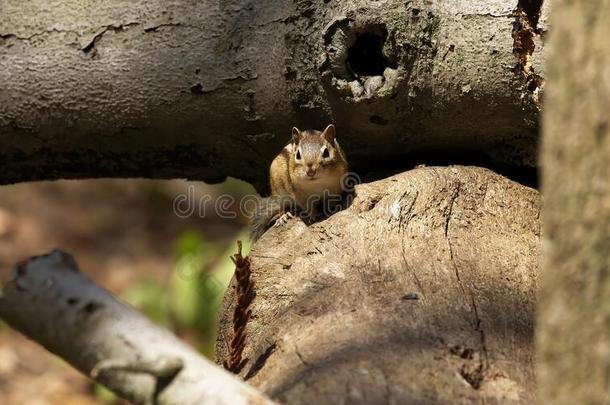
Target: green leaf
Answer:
[[189, 243]]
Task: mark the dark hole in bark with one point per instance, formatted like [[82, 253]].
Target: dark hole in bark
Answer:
[[197, 89], [473, 374], [532, 9], [92, 307], [365, 56], [376, 119], [534, 83]]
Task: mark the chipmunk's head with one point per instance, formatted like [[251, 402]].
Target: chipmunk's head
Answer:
[[315, 154]]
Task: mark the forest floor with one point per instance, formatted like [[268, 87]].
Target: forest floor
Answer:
[[122, 233]]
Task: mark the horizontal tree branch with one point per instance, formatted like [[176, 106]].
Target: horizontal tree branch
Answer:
[[211, 88], [51, 302]]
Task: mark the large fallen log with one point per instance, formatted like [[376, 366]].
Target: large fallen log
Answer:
[[206, 89], [421, 292]]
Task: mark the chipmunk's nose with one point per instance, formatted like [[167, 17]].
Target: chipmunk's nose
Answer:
[[311, 171]]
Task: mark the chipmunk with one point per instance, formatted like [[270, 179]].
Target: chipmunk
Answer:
[[306, 176]]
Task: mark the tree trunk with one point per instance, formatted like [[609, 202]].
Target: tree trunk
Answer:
[[574, 317], [421, 292], [211, 88]]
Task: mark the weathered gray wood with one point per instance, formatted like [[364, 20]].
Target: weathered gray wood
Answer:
[[421, 292], [205, 89], [51, 302]]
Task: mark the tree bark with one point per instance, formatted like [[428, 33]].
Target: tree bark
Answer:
[[422, 291], [211, 88], [52, 303], [574, 318]]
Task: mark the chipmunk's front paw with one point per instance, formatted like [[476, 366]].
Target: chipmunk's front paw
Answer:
[[283, 219]]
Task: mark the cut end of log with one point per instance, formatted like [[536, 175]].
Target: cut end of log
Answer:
[[422, 290]]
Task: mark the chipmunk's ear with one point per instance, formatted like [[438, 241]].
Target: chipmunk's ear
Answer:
[[296, 135], [329, 133]]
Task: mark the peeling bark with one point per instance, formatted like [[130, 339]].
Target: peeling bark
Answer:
[[209, 89], [421, 292], [525, 31]]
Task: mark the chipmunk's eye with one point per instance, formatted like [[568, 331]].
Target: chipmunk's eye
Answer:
[[325, 153], [298, 155]]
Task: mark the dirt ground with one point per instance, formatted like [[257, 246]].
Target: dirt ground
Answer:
[[119, 231]]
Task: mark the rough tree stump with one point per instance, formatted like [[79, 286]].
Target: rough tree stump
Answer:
[[422, 291]]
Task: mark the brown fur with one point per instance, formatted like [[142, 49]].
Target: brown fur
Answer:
[[291, 185]]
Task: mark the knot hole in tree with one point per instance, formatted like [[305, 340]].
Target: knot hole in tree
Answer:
[[365, 57], [360, 59]]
